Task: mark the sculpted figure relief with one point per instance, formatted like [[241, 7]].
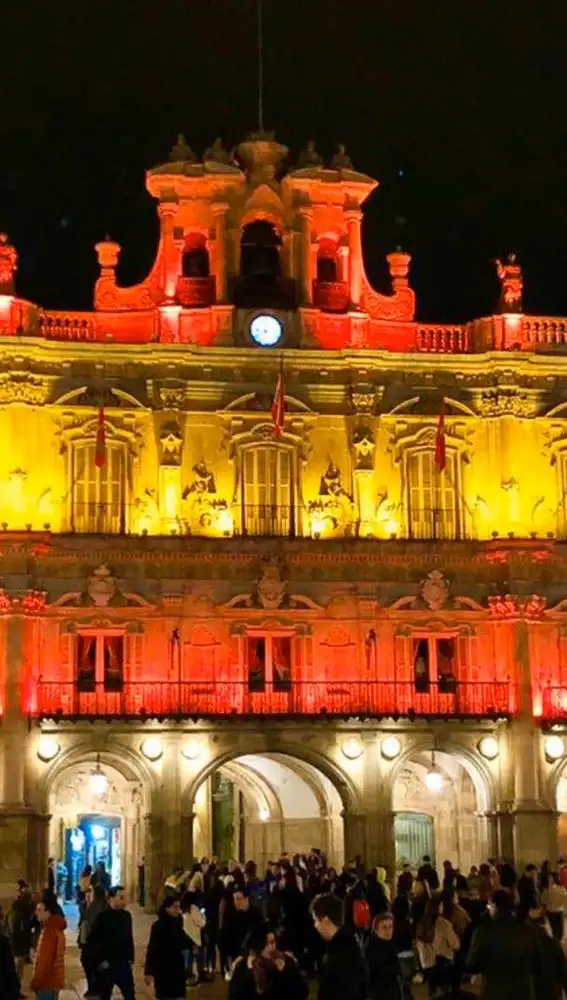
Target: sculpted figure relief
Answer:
[[8, 265]]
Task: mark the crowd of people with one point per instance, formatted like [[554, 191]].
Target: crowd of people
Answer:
[[269, 933]]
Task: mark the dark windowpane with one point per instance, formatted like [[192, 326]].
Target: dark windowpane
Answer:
[[256, 660], [446, 665], [86, 662], [113, 660], [281, 664], [421, 664]]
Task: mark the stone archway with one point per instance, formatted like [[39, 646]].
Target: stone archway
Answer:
[[445, 817], [90, 822], [283, 801]]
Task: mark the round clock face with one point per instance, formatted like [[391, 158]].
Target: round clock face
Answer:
[[266, 330]]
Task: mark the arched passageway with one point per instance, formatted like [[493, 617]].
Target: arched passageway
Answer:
[[97, 814], [439, 805], [257, 806]]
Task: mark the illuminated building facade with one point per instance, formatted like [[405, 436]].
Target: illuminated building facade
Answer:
[[351, 634]]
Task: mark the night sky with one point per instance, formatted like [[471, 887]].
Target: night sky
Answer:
[[458, 108]]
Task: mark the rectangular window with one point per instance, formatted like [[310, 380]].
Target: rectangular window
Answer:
[[269, 663], [98, 493], [432, 496], [267, 491], [435, 662], [99, 662]]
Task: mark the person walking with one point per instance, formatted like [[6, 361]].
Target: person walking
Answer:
[[385, 978], [237, 924], [164, 968], [22, 922], [343, 973], [427, 873], [437, 944], [553, 898], [95, 904], [113, 945], [263, 971], [10, 983], [49, 967], [194, 922], [506, 953]]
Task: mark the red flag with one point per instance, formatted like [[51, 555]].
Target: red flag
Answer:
[[440, 450], [278, 408], [100, 446]]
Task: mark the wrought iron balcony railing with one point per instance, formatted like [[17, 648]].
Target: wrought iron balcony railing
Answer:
[[330, 296], [486, 699], [196, 292]]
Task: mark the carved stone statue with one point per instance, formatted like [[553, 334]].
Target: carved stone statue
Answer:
[[511, 285], [434, 590], [271, 588], [8, 265], [309, 157], [218, 154], [341, 161], [171, 441], [181, 152], [204, 481], [331, 484], [363, 444], [102, 586]]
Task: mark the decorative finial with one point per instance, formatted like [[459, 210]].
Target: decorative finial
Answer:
[[181, 152], [8, 265], [309, 157], [511, 285], [341, 161], [218, 154]]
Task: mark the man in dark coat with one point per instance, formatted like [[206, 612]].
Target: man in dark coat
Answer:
[[165, 957], [9, 981], [343, 973], [507, 954], [427, 873], [112, 942]]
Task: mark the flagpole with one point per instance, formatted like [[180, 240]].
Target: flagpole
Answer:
[[260, 66]]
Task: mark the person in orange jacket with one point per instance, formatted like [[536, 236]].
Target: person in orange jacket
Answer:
[[49, 967]]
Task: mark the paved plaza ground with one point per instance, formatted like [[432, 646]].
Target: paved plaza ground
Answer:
[[75, 980]]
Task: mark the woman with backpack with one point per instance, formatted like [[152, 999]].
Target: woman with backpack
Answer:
[[437, 944]]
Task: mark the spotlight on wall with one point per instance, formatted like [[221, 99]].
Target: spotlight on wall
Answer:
[[488, 747], [152, 748], [192, 750], [47, 749], [352, 748], [390, 747], [554, 747], [264, 815], [98, 782]]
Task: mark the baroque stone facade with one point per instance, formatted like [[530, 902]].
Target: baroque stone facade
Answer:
[[289, 627]]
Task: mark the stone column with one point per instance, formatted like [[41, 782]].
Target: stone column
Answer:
[[355, 835], [535, 824], [306, 216], [219, 213], [170, 263], [354, 224]]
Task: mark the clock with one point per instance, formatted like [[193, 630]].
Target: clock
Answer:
[[266, 330]]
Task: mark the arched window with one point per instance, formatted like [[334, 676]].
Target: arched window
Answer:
[[260, 251], [195, 259], [268, 490], [432, 496], [327, 261], [98, 492]]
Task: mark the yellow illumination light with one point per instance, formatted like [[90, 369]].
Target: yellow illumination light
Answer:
[[264, 815], [488, 747], [554, 747], [390, 747], [317, 527], [225, 522], [192, 749], [47, 748], [152, 748], [352, 748]]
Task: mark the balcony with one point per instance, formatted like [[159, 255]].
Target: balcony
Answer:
[[217, 699], [196, 293], [67, 326], [552, 705], [435, 339], [331, 296]]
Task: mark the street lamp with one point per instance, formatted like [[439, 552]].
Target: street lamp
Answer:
[[98, 782]]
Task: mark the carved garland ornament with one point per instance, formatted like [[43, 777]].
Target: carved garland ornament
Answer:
[[21, 387]]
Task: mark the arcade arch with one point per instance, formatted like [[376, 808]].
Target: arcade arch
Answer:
[[256, 806], [440, 802], [97, 812]]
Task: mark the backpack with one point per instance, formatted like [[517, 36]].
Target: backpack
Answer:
[[361, 914]]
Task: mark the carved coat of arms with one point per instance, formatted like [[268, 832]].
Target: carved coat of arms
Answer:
[[434, 590]]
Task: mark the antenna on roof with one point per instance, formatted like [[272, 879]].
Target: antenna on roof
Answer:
[[260, 68]]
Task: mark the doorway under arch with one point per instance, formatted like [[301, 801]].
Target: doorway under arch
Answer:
[[260, 806], [439, 808], [97, 818]]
